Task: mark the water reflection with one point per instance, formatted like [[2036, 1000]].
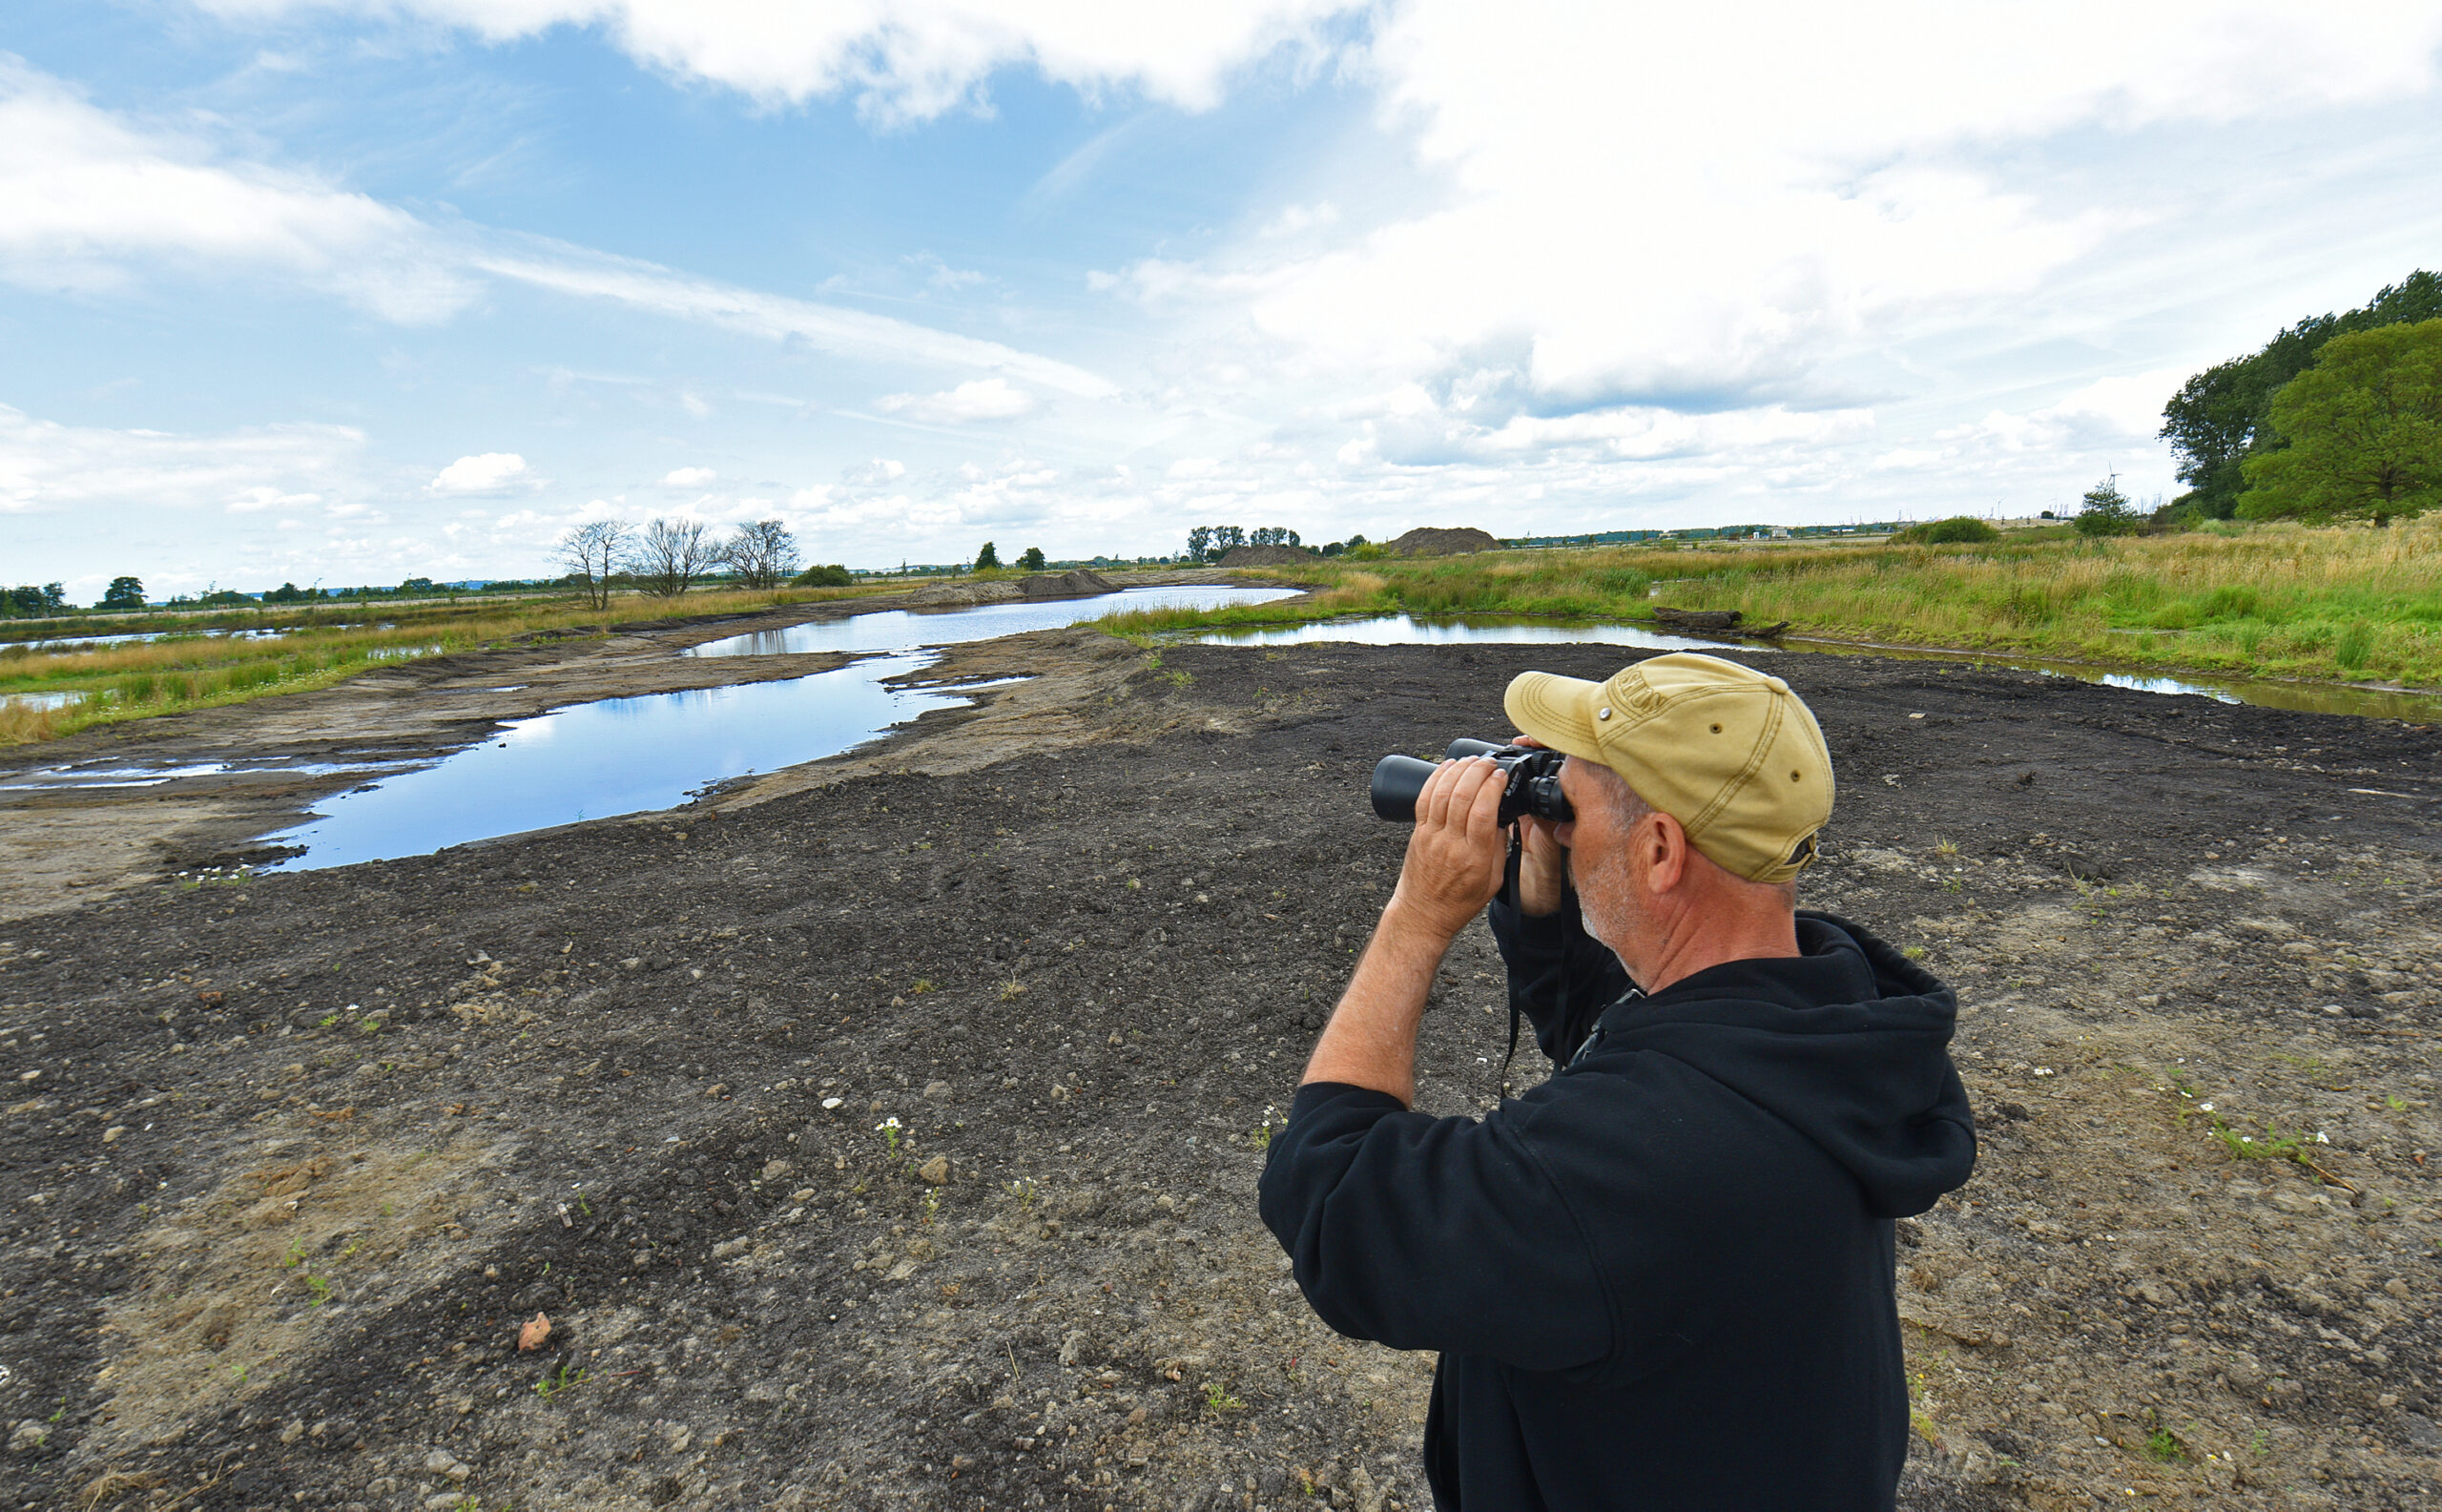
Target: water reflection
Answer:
[[1405, 630], [619, 755], [1402, 630], [898, 630]]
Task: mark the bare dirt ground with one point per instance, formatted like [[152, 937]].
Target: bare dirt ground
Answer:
[[885, 1132]]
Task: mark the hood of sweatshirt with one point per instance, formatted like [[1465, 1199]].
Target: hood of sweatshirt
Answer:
[[1847, 1042]]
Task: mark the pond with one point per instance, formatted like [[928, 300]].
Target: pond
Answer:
[[1402, 630], [900, 629], [632, 755]]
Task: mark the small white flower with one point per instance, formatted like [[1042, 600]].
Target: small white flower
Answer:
[[2321, 1138], [2044, 1071], [887, 1122], [2205, 1107]]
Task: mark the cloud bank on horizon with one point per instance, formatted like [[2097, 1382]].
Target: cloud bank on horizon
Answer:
[[363, 289]]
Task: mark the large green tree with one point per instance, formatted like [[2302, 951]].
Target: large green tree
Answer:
[[2222, 415], [2363, 430]]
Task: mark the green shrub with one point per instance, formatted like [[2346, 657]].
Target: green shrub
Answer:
[[832, 576], [1958, 528]]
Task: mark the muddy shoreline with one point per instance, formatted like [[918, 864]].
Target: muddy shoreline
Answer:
[[60, 845], [288, 1161]]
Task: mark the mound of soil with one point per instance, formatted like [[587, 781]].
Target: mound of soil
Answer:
[[1266, 556], [1078, 582], [894, 1142], [1426, 542]]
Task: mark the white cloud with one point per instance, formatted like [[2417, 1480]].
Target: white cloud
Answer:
[[488, 473], [689, 478], [264, 497], [822, 327], [85, 196], [90, 202], [903, 60], [1700, 206], [46, 467], [977, 399]]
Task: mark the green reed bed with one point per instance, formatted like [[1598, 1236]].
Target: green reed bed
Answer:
[[2345, 603]]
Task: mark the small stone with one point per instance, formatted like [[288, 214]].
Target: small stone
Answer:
[[438, 1461], [936, 1171], [292, 1431], [775, 1169], [114, 1134], [937, 1092], [28, 1438], [802, 1194], [830, 1103]]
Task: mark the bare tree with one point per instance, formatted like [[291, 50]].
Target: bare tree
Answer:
[[591, 552], [762, 554], [669, 555]]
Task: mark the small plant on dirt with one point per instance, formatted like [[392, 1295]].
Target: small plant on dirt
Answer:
[[888, 1130], [932, 1205], [1021, 1191], [1262, 1136], [328, 1020], [2164, 1446], [2396, 1104], [554, 1382], [2261, 1442], [1946, 847], [1217, 1397], [1913, 952], [923, 985], [1012, 989], [295, 1257], [320, 1287], [237, 1373]]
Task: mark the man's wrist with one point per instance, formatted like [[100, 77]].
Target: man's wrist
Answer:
[[1409, 926]]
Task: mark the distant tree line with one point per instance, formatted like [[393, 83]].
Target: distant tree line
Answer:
[[2337, 417]]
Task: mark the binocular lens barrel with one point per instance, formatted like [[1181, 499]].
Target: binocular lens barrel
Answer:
[[1397, 779]]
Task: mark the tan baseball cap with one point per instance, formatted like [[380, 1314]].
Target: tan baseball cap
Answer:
[[1729, 752]]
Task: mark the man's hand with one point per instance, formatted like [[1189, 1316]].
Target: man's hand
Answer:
[[1458, 851], [1453, 869], [1543, 861]]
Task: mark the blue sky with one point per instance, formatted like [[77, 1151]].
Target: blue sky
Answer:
[[348, 292]]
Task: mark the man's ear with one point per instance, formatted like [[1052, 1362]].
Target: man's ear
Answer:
[[1669, 853]]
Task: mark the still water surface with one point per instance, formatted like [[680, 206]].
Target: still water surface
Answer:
[[898, 630], [629, 756], [1401, 630]]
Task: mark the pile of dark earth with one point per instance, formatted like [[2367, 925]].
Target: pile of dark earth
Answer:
[[896, 1143]]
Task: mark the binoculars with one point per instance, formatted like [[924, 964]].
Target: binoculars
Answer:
[[1531, 774]]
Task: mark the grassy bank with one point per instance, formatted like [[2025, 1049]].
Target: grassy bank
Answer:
[[313, 649], [2345, 603]]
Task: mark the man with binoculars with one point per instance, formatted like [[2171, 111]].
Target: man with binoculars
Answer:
[[1663, 1279]]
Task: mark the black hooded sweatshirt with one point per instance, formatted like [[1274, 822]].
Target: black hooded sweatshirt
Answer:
[[1663, 1278]]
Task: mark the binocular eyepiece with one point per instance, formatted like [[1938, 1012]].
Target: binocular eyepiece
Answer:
[[1533, 775]]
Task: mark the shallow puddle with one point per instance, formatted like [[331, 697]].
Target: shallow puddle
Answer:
[[900, 629], [618, 755], [1402, 630]]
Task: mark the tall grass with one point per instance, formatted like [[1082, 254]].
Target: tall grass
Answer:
[[2276, 600], [141, 678]]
